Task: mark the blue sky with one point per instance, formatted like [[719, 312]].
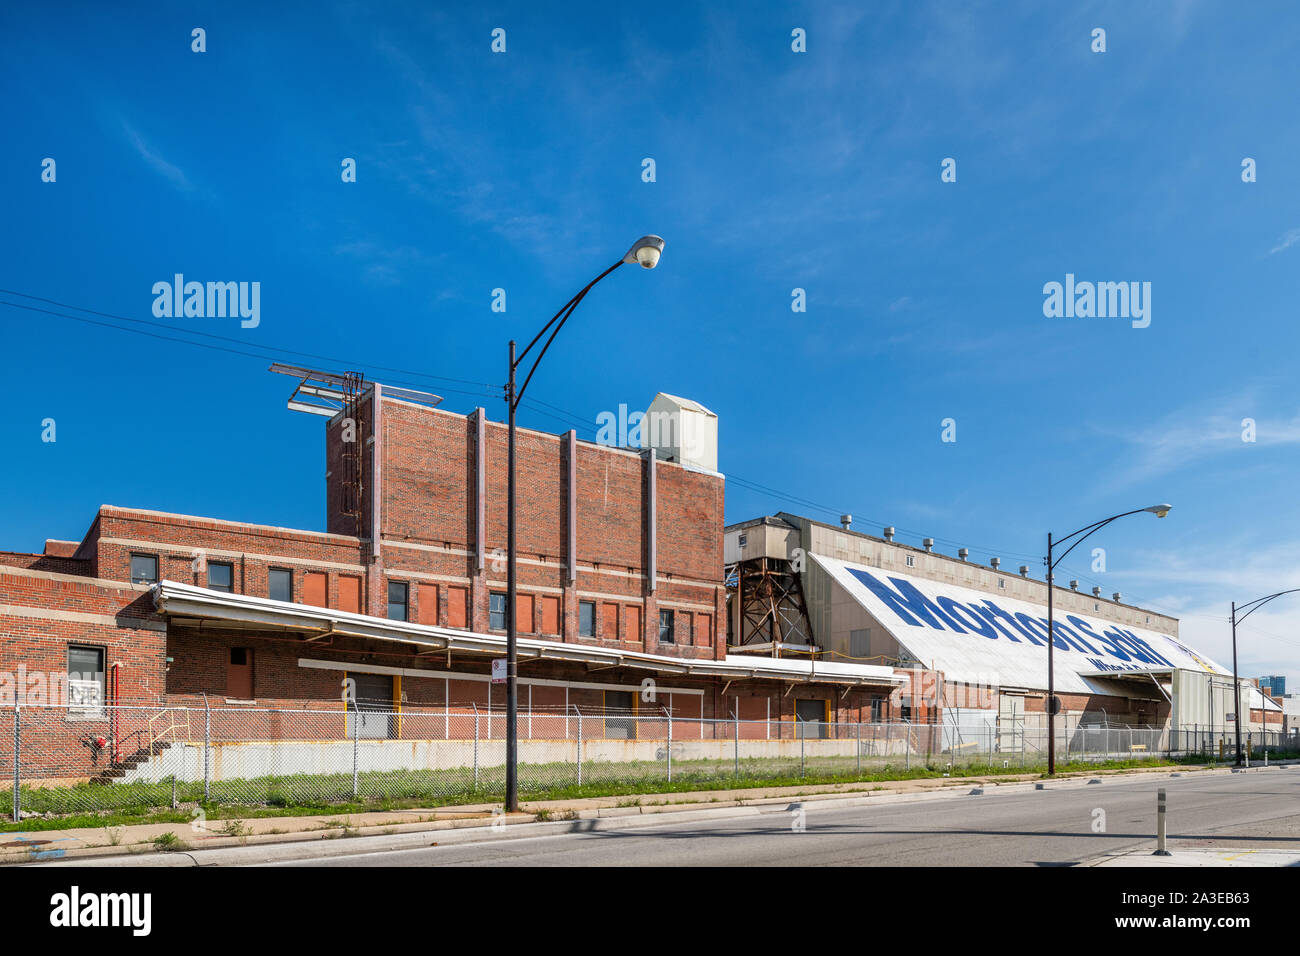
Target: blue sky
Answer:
[[775, 170]]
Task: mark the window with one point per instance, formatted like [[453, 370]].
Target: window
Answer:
[[315, 590], [860, 643], [397, 599], [239, 673], [458, 606], [524, 614], [144, 569], [704, 629], [667, 631], [586, 618], [911, 561], [877, 710], [742, 540], [632, 624], [497, 611], [426, 603], [1002, 583], [221, 577], [280, 584], [86, 679], [550, 614]]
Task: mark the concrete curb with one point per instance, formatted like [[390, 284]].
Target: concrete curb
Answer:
[[350, 841]]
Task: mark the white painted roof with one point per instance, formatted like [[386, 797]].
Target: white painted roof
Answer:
[[173, 598], [687, 403], [982, 653]]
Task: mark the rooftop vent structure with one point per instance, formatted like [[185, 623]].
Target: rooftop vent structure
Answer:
[[681, 430]]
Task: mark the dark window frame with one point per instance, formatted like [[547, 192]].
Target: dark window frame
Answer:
[[404, 603], [270, 572], [493, 611], [591, 631], [670, 625], [102, 675], [157, 570], [228, 565]]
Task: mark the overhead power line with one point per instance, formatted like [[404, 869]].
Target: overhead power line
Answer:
[[482, 390]]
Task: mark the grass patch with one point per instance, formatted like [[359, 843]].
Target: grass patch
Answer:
[[117, 805], [169, 843]]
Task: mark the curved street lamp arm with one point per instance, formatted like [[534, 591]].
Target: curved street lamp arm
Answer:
[[540, 355], [562, 316], [1258, 603], [566, 307], [1090, 529]]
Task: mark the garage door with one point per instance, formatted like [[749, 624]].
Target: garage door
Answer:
[[374, 706]]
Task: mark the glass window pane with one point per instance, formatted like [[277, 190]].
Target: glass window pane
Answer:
[[587, 618], [221, 577], [397, 600], [280, 585], [497, 611], [144, 569]]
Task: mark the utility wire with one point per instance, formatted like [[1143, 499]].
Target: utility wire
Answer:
[[485, 390]]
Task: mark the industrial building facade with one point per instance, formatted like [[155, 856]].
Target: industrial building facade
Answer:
[[633, 599], [806, 588], [621, 588]]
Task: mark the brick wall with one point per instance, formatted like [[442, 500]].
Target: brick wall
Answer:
[[429, 462]]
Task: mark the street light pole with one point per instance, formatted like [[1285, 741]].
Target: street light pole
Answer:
[[645, 252], [1236, 686], [1253, 606], [1086, 531]]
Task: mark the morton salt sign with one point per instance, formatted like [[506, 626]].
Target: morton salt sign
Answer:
[[971, 635]]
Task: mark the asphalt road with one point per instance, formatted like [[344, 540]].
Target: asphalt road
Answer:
[[1051, 827]]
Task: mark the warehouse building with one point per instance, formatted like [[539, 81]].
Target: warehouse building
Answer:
[[621, 588], [803, 588]]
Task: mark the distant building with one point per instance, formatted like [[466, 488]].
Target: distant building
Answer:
[[1274, 686]]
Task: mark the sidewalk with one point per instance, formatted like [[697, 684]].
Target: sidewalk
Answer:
[[1200, 856], [34, 846]]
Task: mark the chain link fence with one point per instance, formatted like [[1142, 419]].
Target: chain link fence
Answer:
[[65, 760]]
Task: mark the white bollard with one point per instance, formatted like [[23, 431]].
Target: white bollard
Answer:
[[1160, 826]]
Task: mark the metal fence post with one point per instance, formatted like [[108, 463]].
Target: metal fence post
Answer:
[[356, 741], [735, 719], [207, 750], [859, 746], [799, 726], [475, 706], [669, 755], [579, 710], [907, 744], [17, 742]]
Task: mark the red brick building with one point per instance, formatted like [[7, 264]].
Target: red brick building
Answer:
[[621, 589]]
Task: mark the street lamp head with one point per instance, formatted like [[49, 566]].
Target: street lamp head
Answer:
[[1159, 510], [645, 251]]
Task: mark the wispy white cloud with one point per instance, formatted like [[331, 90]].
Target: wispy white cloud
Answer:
[[167, 170], [1289, 239], [1200, 432]]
